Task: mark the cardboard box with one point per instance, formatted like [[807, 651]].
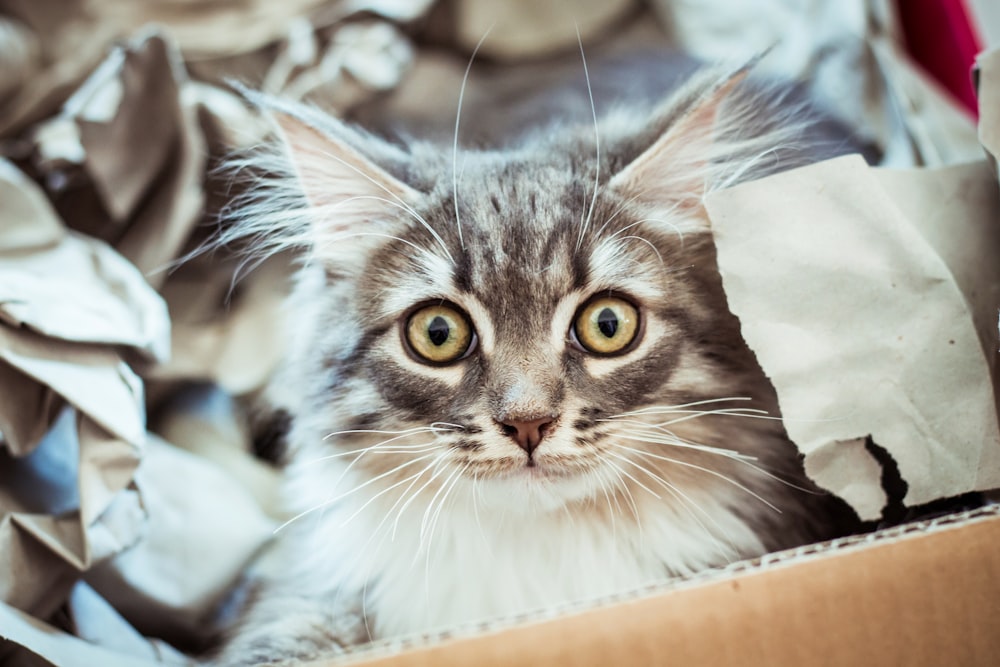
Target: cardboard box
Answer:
[[925, 593]]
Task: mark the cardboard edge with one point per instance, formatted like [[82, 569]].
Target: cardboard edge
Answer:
[[455, 646]]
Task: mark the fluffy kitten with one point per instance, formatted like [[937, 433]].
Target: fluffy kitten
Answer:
[[515, 378]]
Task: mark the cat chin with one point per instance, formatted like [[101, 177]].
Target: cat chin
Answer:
[[534, 489]]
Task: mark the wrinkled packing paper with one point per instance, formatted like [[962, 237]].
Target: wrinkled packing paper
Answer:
[[901, 278], [52, 46], [72, 310], [303, 52], [125, 162], [67, 305], [839, 48]]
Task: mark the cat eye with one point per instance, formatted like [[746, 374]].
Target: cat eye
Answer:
[[606, 325], [439, 334]]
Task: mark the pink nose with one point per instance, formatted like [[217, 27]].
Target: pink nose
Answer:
[[527, 433]]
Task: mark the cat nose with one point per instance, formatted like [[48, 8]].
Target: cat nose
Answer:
[[527, 433]]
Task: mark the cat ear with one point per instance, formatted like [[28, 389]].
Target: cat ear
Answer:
[[674, 170], [347, 192]]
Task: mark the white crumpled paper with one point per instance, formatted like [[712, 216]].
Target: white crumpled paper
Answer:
[[861, 325]]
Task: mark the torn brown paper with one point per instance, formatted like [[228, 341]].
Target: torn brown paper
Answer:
[[861, 327], [957, 209], [57, 45], [96, 621], [225, 332]]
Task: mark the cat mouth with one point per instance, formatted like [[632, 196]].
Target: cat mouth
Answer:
[[536, 470]]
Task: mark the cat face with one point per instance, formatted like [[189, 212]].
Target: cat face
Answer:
[[542, 322], [527, 351]]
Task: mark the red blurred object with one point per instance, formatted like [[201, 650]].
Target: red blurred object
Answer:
[[940, 35]]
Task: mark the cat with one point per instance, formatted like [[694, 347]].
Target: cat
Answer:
[[513, 377]]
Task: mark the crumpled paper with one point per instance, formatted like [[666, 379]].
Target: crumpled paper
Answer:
[[126, 156], [861, 325], [71, 307], [850, 54], [901, 278], [52, 47]]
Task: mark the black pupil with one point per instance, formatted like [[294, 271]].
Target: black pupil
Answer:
[[607, 322], [438, 331]]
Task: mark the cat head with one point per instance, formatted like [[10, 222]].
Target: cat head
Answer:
[[543, 320]]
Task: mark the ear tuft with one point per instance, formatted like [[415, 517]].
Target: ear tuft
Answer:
[[674, 172], [345, 189]]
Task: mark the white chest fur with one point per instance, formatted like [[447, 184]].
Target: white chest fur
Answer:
[[472, 562]]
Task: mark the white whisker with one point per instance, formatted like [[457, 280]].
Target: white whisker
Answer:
[[687, 503], [647, 242], [329, 502], [597, 141], [415, 494], [708, 471], [640, 484], [656, 409], [664, 437], [458, 120]]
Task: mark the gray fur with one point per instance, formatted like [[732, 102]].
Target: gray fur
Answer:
[[531, 228]]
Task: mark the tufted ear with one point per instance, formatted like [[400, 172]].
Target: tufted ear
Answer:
[[675, 170], [346, 190]]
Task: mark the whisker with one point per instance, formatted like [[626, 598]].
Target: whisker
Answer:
[[401, 498], [744, 459], [458, 120], [376, 496], [611, 510], [624, 487], [672, 440], [377, 449], [424, 523], [343, 237], [475, 507], [597, 140], [329, 502], [647, 242], [408, 431], [641, 485], [687, 503], [618, 211], [708, 471], [415, 494], [677, 230], [447, 426], [656, 409], [436, 516]]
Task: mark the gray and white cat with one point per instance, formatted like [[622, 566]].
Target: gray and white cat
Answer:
[[515, 380]]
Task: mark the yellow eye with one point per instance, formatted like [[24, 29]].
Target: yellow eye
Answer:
[[606, 325], [439, 334]]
